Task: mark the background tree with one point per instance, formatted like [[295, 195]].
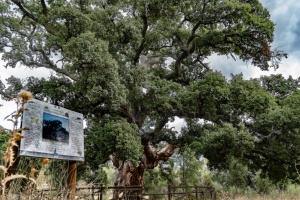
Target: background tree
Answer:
[[190, 167], [132, 66], [4, 136], [262, 135], [277, 131]]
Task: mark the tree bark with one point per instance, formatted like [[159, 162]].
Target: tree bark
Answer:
[[130, 175]]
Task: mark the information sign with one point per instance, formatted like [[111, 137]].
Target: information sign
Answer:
[[51, 132]]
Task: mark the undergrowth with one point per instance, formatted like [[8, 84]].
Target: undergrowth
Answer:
[[18, 174]]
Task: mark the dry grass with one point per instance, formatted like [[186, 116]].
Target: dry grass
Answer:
[[265, 197], [273, 196]]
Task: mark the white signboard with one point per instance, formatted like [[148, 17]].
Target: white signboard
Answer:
[[53, 132]]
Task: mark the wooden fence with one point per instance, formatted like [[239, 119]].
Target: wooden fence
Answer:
[[93, 193], [191, 192], [132, 193]]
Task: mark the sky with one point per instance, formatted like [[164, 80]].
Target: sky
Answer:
[[284, 13]]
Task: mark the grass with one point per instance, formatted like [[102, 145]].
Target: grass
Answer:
[[292, 192]]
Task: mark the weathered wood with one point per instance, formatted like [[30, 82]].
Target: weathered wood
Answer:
[[136, 192], [71, 179]]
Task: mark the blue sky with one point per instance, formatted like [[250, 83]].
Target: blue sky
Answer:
[[286, 16], [284, 13]]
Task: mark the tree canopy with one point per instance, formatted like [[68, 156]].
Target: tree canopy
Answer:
[[133, 66]]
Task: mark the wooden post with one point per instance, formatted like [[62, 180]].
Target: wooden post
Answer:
[[71, 180], [169, 193], [101, 191], [93, 191]]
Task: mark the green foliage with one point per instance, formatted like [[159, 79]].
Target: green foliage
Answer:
[[92, 177], [279, 86], [220, 143], [168, 172], [132, 66], [236, 176], [113, 137], [210, 95], [155, 182], [292, 189], [4, 137], [249, 97], [263, 183], [278, 143], [56, 170], [190, 167]]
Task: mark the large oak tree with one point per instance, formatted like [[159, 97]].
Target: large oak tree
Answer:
[[132, 66]]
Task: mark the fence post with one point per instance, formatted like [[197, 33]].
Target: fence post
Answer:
[[101, 191], [169, 193], [141, 193], [93, 192], [71, 180], [196, 190]]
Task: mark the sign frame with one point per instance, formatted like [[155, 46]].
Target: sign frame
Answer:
[[51, 132]]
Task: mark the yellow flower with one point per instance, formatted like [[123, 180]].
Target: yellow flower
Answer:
[[17, 137], [45, 161], [25, 96]]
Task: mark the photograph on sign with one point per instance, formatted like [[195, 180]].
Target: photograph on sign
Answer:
[[52, 132], [55, 128]]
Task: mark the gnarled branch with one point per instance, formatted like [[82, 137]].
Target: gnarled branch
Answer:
[[153, 154]]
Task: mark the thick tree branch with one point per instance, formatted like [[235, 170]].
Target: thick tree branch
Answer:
[[160, 125], [48, 62], [142, 46], [184, 54], [153, 155], [34, 18], [116, 162], [134, 114], [268, 137], [187, 48], [45, 10], [24, 10], [48, 66]]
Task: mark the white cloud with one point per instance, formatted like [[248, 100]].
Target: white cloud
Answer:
[[288, 67], [20, 72], [177, 124], [8, 108]]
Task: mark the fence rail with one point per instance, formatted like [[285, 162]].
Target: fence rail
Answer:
[[194, 192], [101, 192]]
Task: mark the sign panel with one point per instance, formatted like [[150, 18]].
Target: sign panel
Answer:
[[53, 132]]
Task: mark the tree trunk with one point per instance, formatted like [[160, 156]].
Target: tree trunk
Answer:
[[130, 175]]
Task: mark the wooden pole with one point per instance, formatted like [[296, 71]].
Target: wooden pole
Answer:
[[101, 191], [71, 180], [169, 193]]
